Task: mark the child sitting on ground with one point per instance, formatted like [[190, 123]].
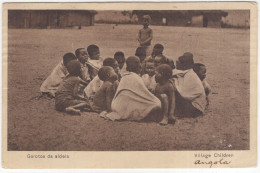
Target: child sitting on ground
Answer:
[[145, 35], [200, 70], [66, 97], [50, 85], [159, 60], [158, 51], [96, 83], [82, 56], [132, 100], [95, 62], [149, 76], [105, 94], [141, 54], [120, 58], [165, 91], [190, 95]]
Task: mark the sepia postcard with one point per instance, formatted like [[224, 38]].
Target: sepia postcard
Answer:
[[129, 85]]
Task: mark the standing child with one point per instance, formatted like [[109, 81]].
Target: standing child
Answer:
[[50, 85], [145, 35], [105, 94], [165, 91], [66, 97], [95, 62], [149, 76], [200, 70]]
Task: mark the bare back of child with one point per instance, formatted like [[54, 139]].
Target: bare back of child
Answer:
[[104, 96], [96, 83], [67, 98]]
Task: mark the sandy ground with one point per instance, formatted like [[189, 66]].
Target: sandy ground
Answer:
[[33, 123]]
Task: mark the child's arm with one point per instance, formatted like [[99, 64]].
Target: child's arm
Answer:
[[76, 90], [171, 96], [139, 36], [149, 39], [206, 87], [110, 92], [85, 83], [93, 72]]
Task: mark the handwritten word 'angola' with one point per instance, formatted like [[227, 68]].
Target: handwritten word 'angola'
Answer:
[[211, 163]]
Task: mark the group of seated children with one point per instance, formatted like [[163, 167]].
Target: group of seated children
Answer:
[[90, 63], [84, 82]]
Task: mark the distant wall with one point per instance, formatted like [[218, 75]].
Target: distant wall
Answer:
[[197, 21], [184, 18], [206, 21], [109, 16], [49, 18], [237, 18]]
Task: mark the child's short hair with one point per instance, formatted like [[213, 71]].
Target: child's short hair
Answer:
[[150, 60], [103, 73], [140, 51], [147, 17], [74, 68], [92, 48], [109, 62], [67, 58], [197, 66], [163, 59], [186, 60], [132, 64], [165, 70], [188, 54], [77, 51], [159, 47], [119, 56]]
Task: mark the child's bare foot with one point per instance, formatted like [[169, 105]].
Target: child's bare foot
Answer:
[[164, 121], [72, 111], [86, 109], [172, 119]]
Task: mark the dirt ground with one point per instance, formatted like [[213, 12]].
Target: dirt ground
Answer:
[[33, 123]]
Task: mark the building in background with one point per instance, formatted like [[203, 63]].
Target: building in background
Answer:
[[114, 17], [50, 18], [198, 18], [237, 19], [80, 18]]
